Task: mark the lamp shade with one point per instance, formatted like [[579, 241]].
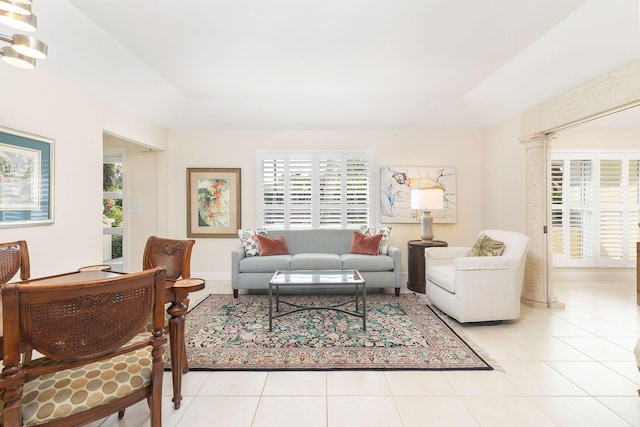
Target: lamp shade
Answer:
[[12, 57], [29, 46], [19, 22], [427, 199], [19, 7]]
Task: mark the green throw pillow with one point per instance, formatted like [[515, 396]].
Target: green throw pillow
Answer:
[[486, 246]]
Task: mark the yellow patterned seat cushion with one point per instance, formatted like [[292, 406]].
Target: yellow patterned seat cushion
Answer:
[[71, 391]]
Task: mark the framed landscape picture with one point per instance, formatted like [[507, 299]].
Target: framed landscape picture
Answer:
[[396, 183], [213, 202], [26, 179]]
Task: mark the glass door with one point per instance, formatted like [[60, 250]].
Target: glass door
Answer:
[[113, 218]]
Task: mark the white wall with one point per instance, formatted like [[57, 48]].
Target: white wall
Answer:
[[503, 177], [38, 103], [211, 256], [599, 140]]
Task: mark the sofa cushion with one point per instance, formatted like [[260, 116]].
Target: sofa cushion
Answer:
[[316, 262], [442, 275], [259, 264], [367, 262], [269, 247], [366, 245], [249, 240], [486, 246], [386, 235]]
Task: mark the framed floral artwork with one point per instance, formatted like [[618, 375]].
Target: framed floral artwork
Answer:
[[26, 179], [213, 202]]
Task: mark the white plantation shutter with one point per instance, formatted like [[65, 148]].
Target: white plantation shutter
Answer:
[[558, 209], [272, 188], [595, 203], [611, 215], [580, 210], [358, 191], [299, 191], [633, 194], [307, 189], [331, 184]]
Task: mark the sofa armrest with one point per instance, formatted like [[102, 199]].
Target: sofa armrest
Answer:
[[236, 256], [442, 253], [396, 254], [482, 263]]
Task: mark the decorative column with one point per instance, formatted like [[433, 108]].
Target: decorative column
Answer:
[[538, 291]]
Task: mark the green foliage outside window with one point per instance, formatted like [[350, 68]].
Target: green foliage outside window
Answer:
[[112, 212], [112, 183], [112, 177], [116, 246]]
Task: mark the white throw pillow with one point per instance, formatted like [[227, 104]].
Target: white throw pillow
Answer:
[[250, 241], [386, 235]]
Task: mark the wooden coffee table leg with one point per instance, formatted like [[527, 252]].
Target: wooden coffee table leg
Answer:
[[176, 344], [177, 294]]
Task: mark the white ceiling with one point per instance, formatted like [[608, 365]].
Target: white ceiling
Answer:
[[334, 64]]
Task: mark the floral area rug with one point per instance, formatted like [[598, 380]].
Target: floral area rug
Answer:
[[223, 333]]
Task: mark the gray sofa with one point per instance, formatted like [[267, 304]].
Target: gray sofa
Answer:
[[315, 250]]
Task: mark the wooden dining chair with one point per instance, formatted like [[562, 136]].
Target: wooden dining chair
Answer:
[[175, 256], [96, 361], [14, 256]]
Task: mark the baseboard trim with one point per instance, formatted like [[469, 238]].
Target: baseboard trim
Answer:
[[211, 275], [593, 274]]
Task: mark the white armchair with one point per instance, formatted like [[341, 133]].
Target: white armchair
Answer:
[[478, 289]]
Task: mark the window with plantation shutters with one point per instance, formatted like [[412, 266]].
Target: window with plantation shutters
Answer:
[[594, 209], [305, 189]]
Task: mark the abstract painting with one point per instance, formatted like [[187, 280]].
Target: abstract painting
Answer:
[[396, 183]]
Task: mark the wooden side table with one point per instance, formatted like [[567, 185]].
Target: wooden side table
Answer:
[[417, 279]]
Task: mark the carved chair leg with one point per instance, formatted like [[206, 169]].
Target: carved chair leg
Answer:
[[28, 354], [121, 414], [185, 362]]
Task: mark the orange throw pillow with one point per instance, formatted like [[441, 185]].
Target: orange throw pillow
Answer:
[[367, 245], [275, 246]]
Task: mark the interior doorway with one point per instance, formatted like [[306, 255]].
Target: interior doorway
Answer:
[[114, 218], [601, 182], [138, 200]]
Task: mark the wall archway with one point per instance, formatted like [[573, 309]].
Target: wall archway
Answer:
[[610, 93]]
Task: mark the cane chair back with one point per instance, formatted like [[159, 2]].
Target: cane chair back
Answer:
[[175, 256], [97, 363], [14, 256], [172, 254]]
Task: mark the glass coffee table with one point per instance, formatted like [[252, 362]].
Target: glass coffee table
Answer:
[[318, 278]]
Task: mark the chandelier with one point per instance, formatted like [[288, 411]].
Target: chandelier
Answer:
[[23, 50]]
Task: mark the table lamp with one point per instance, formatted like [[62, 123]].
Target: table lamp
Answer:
[[427, 200]]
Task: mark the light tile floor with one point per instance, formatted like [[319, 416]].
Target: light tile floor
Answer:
[[559, 367]]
